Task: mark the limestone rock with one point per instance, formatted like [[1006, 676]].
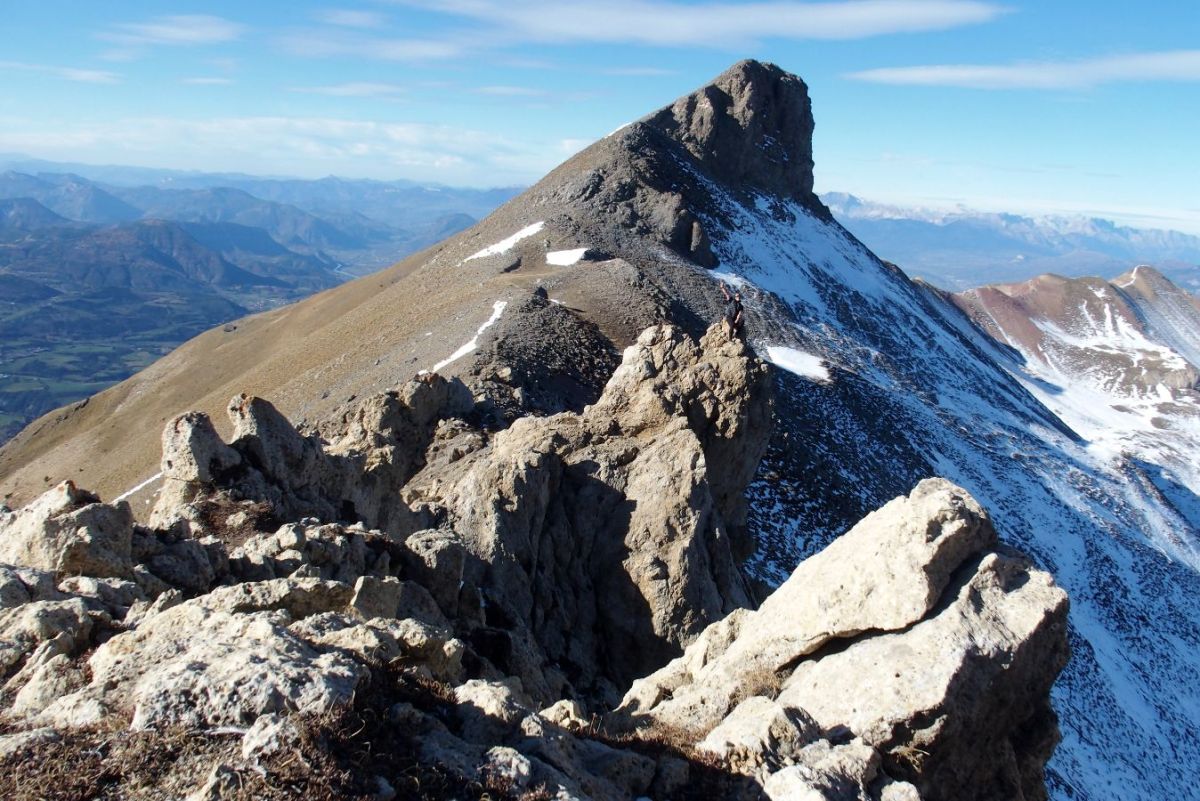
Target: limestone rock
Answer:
[[826, 772], [374, 450], [757, 733], [612, 525], [935, 654], [382, 640], [298, 597], [489, 711], [19, 741], [200, 665], [20, 585], [193, 451], [116, 596], [883, 574], [48, 679], [436, 558], [24, 628], [69, 532], [949, 685]]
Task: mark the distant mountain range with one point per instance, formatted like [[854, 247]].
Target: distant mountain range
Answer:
[[965, 248], [104, 269]]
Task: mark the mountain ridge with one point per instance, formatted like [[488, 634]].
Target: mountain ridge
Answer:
[[621, 237]]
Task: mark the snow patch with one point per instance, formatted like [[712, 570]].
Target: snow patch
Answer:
[[1132, 278], [497, 310], [805, 365], [141, 486], [505, 245], [565, 258], [733, 279]]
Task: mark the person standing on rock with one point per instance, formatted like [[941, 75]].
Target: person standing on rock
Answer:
[[733, 310]]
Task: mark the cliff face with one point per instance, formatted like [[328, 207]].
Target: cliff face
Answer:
[[497, 593]]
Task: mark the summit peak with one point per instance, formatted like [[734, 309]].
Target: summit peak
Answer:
[[750, 126]]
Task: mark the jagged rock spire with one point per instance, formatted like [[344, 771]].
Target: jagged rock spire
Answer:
[[751, 126]]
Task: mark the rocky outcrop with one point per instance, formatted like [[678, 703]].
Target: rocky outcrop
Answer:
[[519, 585], [613, 534], [596, 542], [377, 446], [67, 531], [751, 126], [899, 649]]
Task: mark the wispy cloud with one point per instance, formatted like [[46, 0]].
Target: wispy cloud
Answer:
[[326, 43], [207, 81], [354, 89], [638, 72], [181, 29], [350, 18], [723, 25], [303, 146], [509, 91], [1174, 65], [65, 73]]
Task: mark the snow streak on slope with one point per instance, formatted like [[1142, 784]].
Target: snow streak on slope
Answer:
[[505, 245], [795, 361], [918, 390], [565, 258], [473, 343]]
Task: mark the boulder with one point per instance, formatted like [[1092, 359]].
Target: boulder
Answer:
[[192, 451], [197, 664], [886, 573], [826, 772], [67, 531], [67, 623], [958, 704], [907, 656]]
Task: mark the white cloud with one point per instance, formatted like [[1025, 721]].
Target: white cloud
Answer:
[[348, 18], [1176, 65], [341, 43], [181, 29], [65, 73], [714, 24], [300, 146], [638, 72], [207, 81], [509, 91], [354, 89]]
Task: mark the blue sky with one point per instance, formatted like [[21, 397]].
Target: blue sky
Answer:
[[1036, 107]]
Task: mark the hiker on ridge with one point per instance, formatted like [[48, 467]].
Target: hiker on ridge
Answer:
[[733, 310]]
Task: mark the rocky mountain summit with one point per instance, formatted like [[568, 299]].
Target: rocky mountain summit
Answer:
[[477, 603], [879, 382]]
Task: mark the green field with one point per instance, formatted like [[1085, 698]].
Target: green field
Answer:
[[38, 375]]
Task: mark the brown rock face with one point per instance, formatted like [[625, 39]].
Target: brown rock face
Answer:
[[752, 126]]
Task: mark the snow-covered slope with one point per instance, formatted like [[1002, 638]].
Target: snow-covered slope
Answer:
[[1116, 361], [918, 389]]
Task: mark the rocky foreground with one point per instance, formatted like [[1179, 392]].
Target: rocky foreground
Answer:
[[406, 604]]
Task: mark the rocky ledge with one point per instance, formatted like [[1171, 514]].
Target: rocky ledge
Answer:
[[405, 604]]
